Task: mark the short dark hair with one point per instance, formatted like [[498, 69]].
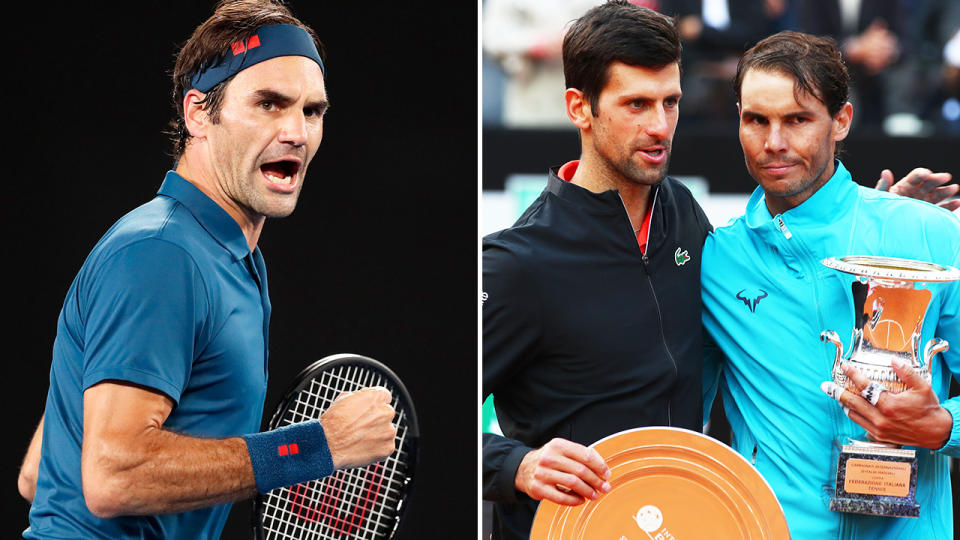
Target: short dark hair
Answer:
[[814, 62], [232, 21], [616, 31]]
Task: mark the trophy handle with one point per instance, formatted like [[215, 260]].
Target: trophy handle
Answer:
[[934, 347], [833, 337]]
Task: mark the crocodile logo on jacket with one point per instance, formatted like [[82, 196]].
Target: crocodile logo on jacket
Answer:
[[751, 300], [681, 257]]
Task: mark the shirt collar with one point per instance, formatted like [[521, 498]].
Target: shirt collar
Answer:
[[604, 203], [822, 207], [214, 219]]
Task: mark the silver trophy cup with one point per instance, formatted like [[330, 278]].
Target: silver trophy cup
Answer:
[[890, 301]]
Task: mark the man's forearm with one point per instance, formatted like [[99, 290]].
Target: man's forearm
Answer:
[[27, 481], [131, 465], [164, 472]]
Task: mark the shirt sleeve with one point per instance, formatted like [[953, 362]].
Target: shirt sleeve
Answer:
[[510, 338], [713, 360], [501, 459], [511, 325], [143, 308], [948, 328]]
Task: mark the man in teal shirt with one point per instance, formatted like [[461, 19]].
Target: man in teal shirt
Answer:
[[767, 297]]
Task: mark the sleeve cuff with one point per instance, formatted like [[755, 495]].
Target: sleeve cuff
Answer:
[[135, 376], [952, 447], [511, 463]]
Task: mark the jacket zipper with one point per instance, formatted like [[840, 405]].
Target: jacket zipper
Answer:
[[837, 421], [653, 292], [836, 415]]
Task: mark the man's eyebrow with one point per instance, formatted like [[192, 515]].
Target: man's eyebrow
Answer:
[[648, 98], [320, 105], [267, 94], [751, 114], [792, 115]]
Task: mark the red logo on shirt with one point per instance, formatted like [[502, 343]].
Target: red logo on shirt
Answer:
[[285, 449]]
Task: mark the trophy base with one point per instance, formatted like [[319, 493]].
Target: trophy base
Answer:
[[877, 481], [875, 507]]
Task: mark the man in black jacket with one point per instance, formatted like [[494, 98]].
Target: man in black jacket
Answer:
[[591, 317]]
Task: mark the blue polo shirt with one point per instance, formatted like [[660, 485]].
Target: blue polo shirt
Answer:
[[173, 299]]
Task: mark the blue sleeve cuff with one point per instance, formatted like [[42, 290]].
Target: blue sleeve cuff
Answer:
[[132, 375], [952, 448], [289, 455]]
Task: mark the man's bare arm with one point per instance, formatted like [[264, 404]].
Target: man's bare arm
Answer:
[[27, 481], [131, 465]]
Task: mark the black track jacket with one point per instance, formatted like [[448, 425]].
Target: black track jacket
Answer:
[[584, 335]]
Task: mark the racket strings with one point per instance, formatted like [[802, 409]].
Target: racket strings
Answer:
[[345, 504], [340, 506], [351, 503], [315, 510]]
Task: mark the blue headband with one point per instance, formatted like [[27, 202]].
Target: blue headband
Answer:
[[268, 42]]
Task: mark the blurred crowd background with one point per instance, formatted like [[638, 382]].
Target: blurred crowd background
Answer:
[[903, 55]]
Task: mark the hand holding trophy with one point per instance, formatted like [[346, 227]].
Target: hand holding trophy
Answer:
[[887, 381], [912, 417]]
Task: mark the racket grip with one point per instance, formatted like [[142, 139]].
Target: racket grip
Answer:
[[289, 455]]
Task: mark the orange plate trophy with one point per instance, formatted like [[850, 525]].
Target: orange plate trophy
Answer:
[[669, 484], [890, 301]]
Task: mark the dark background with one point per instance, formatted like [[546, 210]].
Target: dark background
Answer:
[[380, 257]]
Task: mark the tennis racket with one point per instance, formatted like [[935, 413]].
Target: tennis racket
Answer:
[[363, 502]]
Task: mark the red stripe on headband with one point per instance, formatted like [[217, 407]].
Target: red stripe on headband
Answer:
[[238, 47]]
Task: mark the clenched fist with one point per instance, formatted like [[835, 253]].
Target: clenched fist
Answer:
[[359, 429]]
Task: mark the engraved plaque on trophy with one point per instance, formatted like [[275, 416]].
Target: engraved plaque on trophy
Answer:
[[890, 301]]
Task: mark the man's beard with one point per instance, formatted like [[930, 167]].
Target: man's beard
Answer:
[[246, 195], [645, 175]]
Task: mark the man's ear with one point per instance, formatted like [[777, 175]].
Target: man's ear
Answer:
[[195, 116], [842, 121], [578, 108]]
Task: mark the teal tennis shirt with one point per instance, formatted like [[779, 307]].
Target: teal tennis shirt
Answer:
[[767, 297], [171, 298]]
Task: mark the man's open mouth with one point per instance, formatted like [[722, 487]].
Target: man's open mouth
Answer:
[[281, 172], [654, 154]]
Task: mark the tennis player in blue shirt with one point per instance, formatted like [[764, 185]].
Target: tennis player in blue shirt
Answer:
[[766, 297], [159, 367]]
